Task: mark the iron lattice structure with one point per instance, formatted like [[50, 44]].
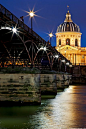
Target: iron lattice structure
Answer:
[[25, 47]]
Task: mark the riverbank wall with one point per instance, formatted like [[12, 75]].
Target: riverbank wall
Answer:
[[20, 88], [27, 88]]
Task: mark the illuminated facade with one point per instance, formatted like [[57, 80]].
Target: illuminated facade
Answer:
[[68, 41]]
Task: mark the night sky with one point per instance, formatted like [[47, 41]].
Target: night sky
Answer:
[[52, 14]]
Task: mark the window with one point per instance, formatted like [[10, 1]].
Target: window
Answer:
[[76, 42], [59, 41], [67, 41]]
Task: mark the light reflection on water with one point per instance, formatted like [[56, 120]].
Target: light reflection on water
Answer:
[[66, 110]]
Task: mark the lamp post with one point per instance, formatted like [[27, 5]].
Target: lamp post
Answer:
[[32, 14], [14, 30], [50, 35]]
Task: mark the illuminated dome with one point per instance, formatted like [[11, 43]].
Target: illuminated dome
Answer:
[[68, 25]]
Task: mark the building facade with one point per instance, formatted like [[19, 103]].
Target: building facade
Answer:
[[68, 41]]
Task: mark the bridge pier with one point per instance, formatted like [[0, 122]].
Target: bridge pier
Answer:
[[63, 81], [48, 84]]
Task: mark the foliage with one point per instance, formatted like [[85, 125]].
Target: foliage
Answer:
[[48, 72], [20, 70]]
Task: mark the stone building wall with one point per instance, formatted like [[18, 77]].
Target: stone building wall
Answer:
[[79, 74], [68, 35]]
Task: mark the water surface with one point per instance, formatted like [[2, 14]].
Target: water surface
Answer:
[[67, 110]]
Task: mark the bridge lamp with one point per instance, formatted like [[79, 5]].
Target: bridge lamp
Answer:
[[32, 14], [14, 30], [50, 35], [63, 61], [67, 63], [43, 48], [70, 65], [56, 56]]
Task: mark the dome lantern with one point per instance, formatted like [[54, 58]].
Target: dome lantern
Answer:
[[68, 17]]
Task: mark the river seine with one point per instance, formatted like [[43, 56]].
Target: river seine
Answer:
[[67, 110]]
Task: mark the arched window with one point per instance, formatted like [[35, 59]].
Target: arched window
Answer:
[[67, 41], [59, 41], [76, 42]]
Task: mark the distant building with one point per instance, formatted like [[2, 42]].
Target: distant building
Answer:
[[68, 41]]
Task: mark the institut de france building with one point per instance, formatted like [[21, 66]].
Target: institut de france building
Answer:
[[68, 41]]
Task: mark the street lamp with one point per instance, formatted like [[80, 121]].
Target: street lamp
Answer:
[[32, 14], [43, 48], [63, 61], [50, 35], [14, 30], [56, 56], [67, 63]]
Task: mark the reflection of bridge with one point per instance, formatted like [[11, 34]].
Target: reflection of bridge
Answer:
[[24, 47]]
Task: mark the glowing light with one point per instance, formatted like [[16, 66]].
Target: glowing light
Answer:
[[44, 48], [65, 51], [70, 87], [8, 28], [63, 60], [56, 56], [31, 13], [70, 65], [41, 48], [14, 30], [51, 35], [67, 63]]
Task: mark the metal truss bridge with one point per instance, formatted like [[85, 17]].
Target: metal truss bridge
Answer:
[[21, 46]]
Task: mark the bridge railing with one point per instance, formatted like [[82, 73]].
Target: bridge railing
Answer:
[[20, 23]]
